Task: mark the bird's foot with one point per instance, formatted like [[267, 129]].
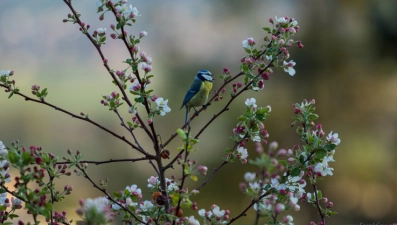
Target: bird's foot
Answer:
[[196, 112]]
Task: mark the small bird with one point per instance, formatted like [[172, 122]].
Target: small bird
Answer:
[[197, 95]]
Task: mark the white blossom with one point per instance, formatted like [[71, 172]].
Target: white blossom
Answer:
[[323, 168], [217, 212], [3, 198], [289, 67], [276, 184], [3, 150], [4, 73], [245, 43], [242, 152], [249, 177], [16, 201], [333, 138], [263, 205], [133, 189], [146, 206], [153, 182], [251, 102], [101, 30], [132, 110], [281, 20], [162, 106], [193, 221]]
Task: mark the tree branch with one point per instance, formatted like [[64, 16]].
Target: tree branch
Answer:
[[98, 48], [80, 118]]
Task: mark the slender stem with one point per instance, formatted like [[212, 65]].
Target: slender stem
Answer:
[[257, 216], [130, 130], [52, 194], [217, 168], [106, 161], [184, 175], [318, 204], [254, 201], [212, 174]]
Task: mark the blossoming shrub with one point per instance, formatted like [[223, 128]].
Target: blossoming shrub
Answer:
[[280, 183]]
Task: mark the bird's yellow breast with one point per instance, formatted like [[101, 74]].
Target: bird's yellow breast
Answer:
[[202, 95]]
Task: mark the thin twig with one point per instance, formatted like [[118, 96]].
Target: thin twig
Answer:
[[318, 204], [183, 172], [106, 161], [211, 175], [253, 201], [52, 194]]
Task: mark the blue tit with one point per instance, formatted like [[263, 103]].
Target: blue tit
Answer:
[[197, 95]]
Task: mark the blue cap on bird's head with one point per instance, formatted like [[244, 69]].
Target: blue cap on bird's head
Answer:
[[204, 75]]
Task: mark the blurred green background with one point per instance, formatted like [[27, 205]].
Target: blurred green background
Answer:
[[348, 65]]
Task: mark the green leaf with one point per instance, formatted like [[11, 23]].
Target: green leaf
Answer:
[[247, 50], [329, 147], [312, 117], [26, 158], [11, 94], [103, 39], [194, 178], [118, 26], [320, 195], [321, 153], [13, 157], [242, 118], [283, 162], [261, 116], [186, 203], [262, 110], [12, 216], [332, 212], [117, 194], [46, 213], [295, 172], [267, 29], [181, 133], [175, 197]]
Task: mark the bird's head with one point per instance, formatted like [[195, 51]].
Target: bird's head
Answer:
[[204, 75]]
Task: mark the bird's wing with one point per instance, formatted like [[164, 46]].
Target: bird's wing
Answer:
[[194, 88]]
